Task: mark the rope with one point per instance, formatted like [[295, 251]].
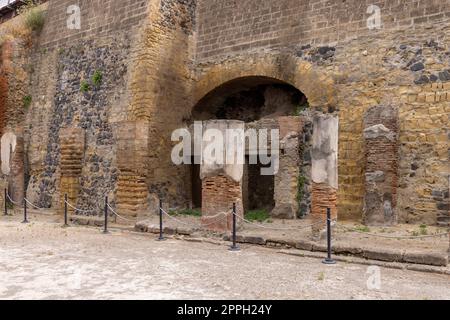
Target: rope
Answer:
[[118, 215], [76, 209], [34, 206], [193, 225], [394, 237], [277, 228], [13, 202]]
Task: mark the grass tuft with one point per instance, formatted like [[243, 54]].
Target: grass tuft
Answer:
[[257, 215]]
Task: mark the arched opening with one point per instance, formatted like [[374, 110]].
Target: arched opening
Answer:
[[250, 99], [263, 102]]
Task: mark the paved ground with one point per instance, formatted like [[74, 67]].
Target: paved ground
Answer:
[[43, 261]]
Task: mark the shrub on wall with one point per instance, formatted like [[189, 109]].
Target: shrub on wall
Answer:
[[34, 17]]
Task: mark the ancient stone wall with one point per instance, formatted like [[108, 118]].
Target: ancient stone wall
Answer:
[[159, 58], [80, 80], [402, 64], [237, 27], [159, 89]]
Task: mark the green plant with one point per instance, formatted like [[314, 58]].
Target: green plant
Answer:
[[257, 215], [35, 18], [84, 86], [27, 101], [300, 108], [362, 228], [97, 78], [187, 212], [423, 230], [300, 188]]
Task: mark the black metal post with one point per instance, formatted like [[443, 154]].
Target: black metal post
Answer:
[[328, 260], [234, 247], [161, 235], [105, 231], [6, 202], [25, 216], [65, 211]]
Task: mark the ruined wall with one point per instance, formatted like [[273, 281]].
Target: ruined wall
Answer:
[[80, 81], [404, 64], [159, 93], [237, 27], [159, 58]]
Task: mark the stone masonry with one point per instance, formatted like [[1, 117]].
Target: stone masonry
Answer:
[[146, 65], [72, 155], [381, 135]]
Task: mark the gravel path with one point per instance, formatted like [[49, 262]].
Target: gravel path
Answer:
[[44, 261]]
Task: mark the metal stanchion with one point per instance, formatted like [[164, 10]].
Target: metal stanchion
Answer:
[[6, 203], [161, 235], [25, 217], [234, 247], [328, 260], [105, 231], [65, 211]]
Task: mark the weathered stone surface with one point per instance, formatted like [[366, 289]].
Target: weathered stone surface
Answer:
[[304, 245], [434, 259], [255, 240], [155, 70], [383, 255]]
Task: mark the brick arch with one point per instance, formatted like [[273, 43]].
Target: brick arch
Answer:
[[310, 80]]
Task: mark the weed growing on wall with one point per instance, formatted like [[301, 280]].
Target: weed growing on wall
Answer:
[[27, 101], [84, 86], [97, 78], [34, 16]]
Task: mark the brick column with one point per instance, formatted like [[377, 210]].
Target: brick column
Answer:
[[132, 161], [71, 164], [324, 169], [381, 152], [218, 195]]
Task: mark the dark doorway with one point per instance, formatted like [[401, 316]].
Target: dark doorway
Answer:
[[196, 184], [259, 188]]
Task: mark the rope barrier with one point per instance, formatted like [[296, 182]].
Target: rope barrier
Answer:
[[277, 228], [118, 215], [78, 210], [197, 226], [13, 202], [393, 237], [34, 206]]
